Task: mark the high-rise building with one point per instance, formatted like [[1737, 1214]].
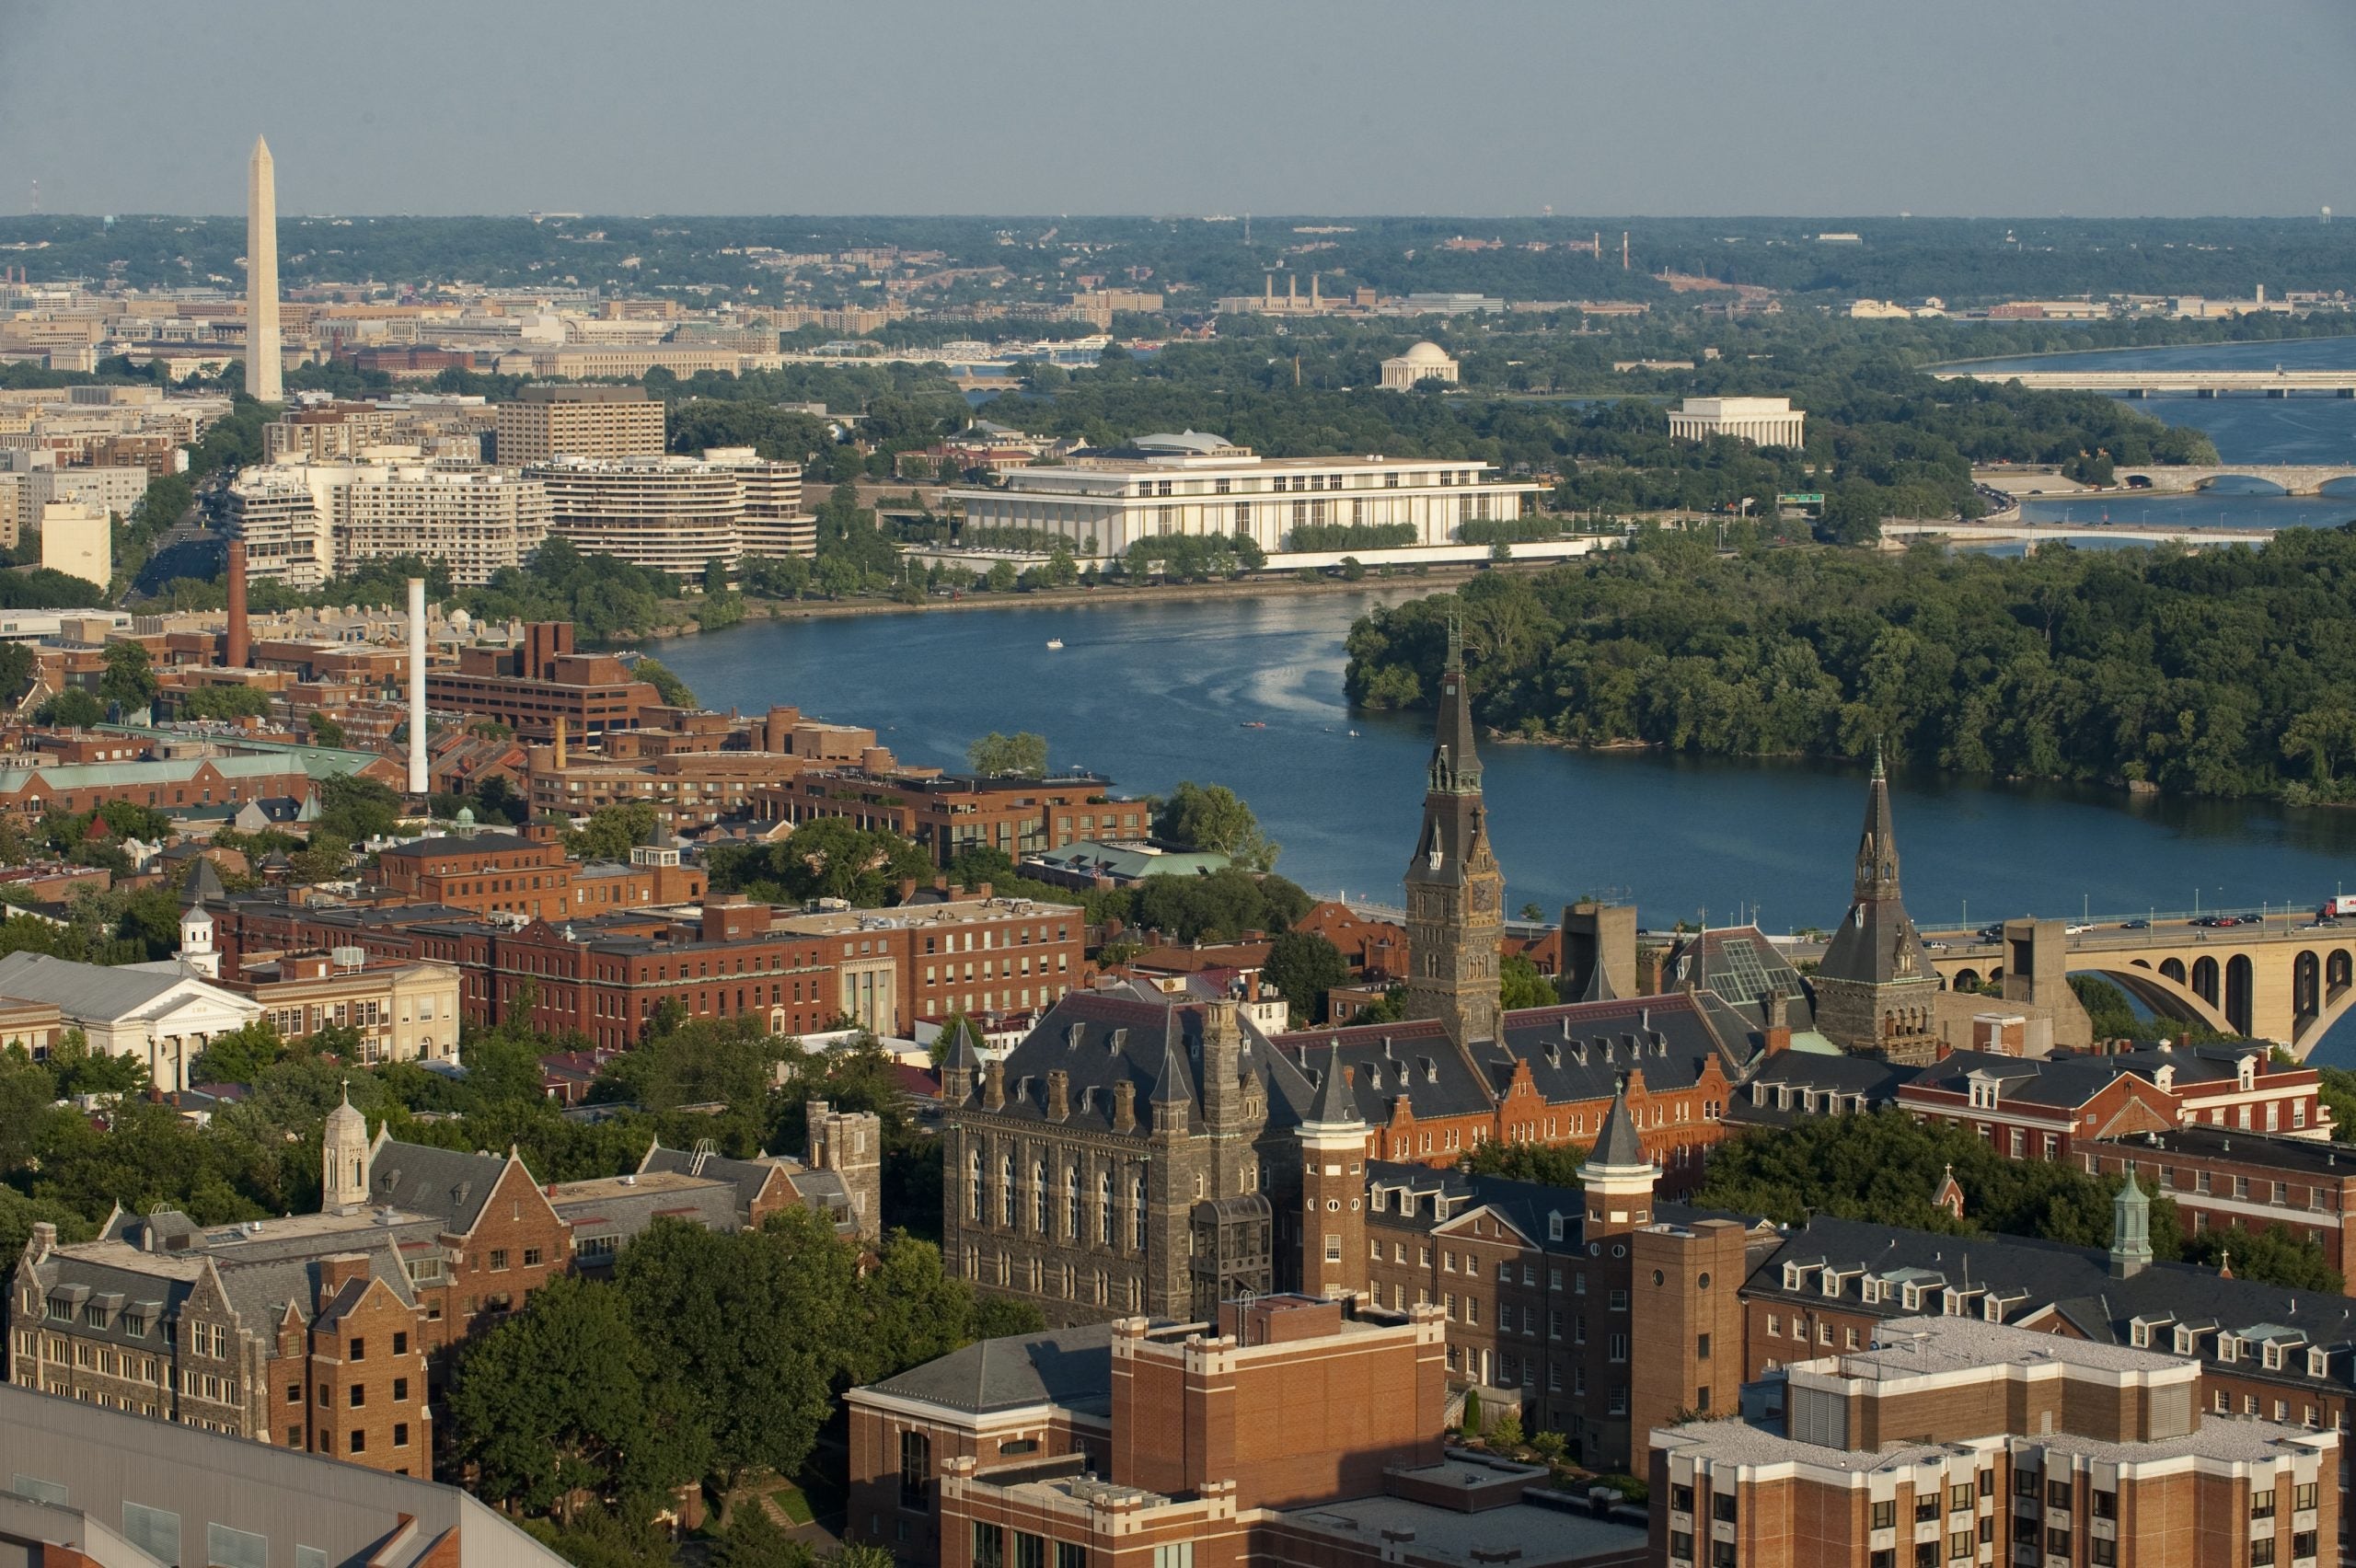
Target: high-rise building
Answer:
[[577, 422], [264, 361], [304, 522], [1876, 991], [1455, 892], [76, 540], [679, 514]]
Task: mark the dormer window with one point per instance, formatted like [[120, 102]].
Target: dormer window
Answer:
[[2271, 1356], [1911, 1298], [1871, 1290], [2318, 1361], [2138, 1334], [1992, 1310], [1832, 1282], [2227, 1347], [1791, 1276], [2185, 1340], [1554, 1226]]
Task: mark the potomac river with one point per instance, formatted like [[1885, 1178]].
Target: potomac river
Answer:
[[1150, 692]]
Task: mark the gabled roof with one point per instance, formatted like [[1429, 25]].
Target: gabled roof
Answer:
[[446, 1183], [96, 991]]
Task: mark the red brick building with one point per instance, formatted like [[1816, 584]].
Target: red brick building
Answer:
[[1290, 1430], [946, 817], [503, 873]]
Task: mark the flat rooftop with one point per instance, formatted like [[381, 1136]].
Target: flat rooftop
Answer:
[[1925, 1346], [905, 916], [602, 1187], [1540, 1535]]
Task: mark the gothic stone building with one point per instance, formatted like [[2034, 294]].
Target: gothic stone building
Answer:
[[1161, 1156]]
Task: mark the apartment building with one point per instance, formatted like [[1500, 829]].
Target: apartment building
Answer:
[[579, 421], [306, 522], [1194, 484], [926, 960], [1950, 1441], [678, 514]]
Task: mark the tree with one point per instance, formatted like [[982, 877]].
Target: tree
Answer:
[[355, 808], [1211, 817], [240, 1055], [563, 1401], [1553, 1165], [324, 730], [749, 1330], [73, 708], [1021, 755], [1000, 578], [612, 832], [668, 686], [129, 679], [1303, 966], [1521, 985], [224, 702]]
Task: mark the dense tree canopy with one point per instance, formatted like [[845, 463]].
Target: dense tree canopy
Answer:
[[2224, 672]]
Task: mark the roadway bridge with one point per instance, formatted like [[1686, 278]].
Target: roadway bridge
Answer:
[[2292, 479], [1987, 531], [2281, 978], [2276, 383]]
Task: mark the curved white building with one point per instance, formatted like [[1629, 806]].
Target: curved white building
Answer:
[[678, 514], [1425, 361]]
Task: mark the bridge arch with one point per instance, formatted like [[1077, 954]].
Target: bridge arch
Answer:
[[2335, 969], [2171, 967], [2204, 980], [2240, 983], [2306, 984], [2165, 996]]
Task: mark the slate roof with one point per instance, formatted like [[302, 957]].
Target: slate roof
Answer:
[[1102, 1041], [1531, 1207], [1620, 1146], [1779, 1088], [450, 844], [2067, 1079], [1070, 1367], [446, 1183], [1876, 942], [2031, 1276]]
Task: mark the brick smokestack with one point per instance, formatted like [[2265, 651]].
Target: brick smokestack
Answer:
[[236, 644], [417, 775]]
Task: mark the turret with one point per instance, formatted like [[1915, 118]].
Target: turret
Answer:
[[1332, 1186], [2130, 1230], [1618, 1174], [196, 955]]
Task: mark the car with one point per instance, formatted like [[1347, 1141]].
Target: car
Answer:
[[2075, 930], [2206, 920], [1935, 947], [1990, 933], [2134, 924]]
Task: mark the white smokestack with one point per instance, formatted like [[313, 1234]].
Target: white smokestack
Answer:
[[417, 779]]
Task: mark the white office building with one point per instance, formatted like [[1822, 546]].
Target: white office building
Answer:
[[1762, 422], [1195, 484]]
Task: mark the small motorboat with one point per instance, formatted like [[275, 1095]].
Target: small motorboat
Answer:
[[1055, 642], [1253, 725]]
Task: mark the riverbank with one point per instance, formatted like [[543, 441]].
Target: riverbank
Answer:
[[1266, 586]]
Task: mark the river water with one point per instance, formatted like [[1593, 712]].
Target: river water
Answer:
[[1150, 692]]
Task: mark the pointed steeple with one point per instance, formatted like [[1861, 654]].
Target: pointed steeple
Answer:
[[1174, 1084], [1333, 1106], [1878, 845], [1620, 1147], [1456, 763]]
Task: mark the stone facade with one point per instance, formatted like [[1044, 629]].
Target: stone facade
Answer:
[[1455, 892], [1876, 991]]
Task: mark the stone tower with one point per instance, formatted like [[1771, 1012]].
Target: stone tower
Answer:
[[344, 1160], [1876, 991], [1455, 893], [264, 354], [1333, 1187], [850, 1144]]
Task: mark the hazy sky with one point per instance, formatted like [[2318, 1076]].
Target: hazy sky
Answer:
[[1801, 107]]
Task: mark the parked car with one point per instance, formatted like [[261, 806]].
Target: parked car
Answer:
[[2134, 924]]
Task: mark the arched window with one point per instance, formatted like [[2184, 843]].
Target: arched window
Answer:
[[1136, 1214], [1039, 1196], [1071, 1203], [1104, 1209], [973, 1186], [1006, 1210]]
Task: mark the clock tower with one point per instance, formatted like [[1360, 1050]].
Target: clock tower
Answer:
[[1455, 894]]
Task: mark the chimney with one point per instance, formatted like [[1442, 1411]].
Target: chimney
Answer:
[[1058, 1095], [1779, 1022], [994, 1086], [417, 777], [237, 643], [339, 1269], [560, 742], [1125, 1107]]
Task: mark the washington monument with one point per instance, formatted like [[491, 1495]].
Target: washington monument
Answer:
[[262, 351]]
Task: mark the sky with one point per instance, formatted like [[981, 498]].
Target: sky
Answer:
[[1803, 108]]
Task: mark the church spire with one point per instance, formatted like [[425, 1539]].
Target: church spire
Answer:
[[1877, 875], [1456, 764]]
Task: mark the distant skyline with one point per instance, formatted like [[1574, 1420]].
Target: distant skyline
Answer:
[[1799, 107]]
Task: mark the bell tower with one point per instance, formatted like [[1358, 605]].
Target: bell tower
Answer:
[[1455, 892], [1876, 991], [344, 1160]]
